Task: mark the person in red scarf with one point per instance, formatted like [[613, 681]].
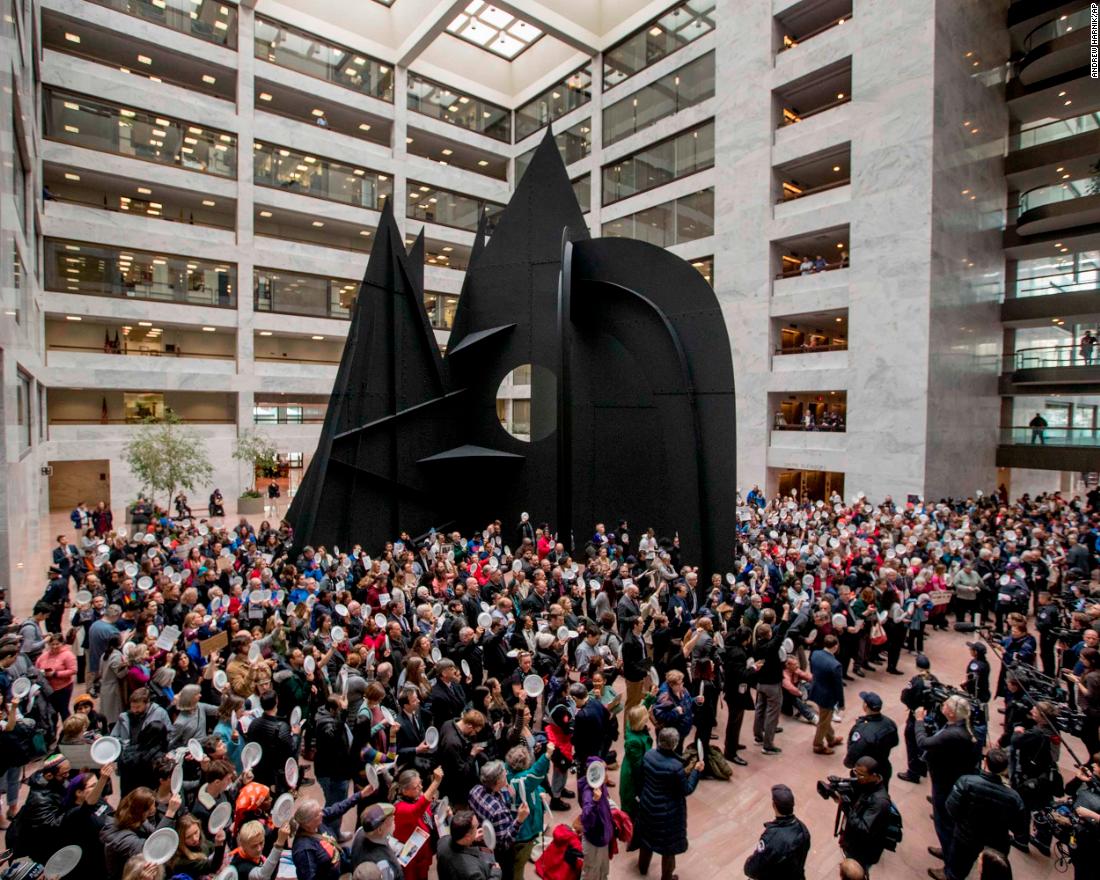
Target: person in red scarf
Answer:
[[413, 810], [253, 803]]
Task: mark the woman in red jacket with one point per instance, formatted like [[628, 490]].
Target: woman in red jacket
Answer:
[[413, 811]]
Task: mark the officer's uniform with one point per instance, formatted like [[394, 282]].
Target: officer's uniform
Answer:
[[913, 698], [874, 735], [781, 852], [977, 680], [1046, 619]]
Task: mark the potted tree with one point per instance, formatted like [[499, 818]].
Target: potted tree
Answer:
[[259, 455], [165, 457]]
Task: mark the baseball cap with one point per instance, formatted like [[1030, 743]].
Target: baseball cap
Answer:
[[923, 662], [873, 700], [977, 646], [375, 815]]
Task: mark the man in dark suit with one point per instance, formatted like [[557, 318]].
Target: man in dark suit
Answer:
[[66, 559], [636, 662], [447, 697], [827, 690], [412, 721]]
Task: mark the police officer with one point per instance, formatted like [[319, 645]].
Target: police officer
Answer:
[[1047, 617], [977, 675], [781, 852], [867, 816], [914, 696], [951, 753], [873, 735]]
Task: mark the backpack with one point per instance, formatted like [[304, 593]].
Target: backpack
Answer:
[[717, 765], [892, 829]]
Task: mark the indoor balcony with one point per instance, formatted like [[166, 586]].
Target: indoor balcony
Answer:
[[808, 107], [1073, 293], [1055, 47], [1058, 207], [1050, 448], [1026, 15], [296, 360], [207, 20], [1061, 367], [812, 34], [1059, 143]]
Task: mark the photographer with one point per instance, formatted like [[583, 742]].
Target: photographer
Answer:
[[867, 815], [951, 753], [1087, 688], [1034, 752], [915, 695], [873, 735], [1084, 789], [781, 852], [982, 809]]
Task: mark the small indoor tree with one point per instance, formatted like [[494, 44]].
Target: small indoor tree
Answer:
[[166, 457], [257, 453]]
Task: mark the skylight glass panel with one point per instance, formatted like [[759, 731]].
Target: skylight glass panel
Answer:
[[493, 29]]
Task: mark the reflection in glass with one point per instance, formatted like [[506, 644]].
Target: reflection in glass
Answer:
[[434, 205], [690, 85], [675, 29], [665, 161], [569, 94], [294, 293], [574, 144], [290, 170], [684, 219], [441, 102], [210, 20]]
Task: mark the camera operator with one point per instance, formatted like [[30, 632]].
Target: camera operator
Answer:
[[915, 695], [781, 852], [951, 753], [1084, 791], [867, 815], [1034, 752], [1048, 617], [1019, 647], [982, 809], [873, 735], [1087, 688]]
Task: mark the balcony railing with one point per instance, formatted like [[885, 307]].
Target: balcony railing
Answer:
[[172, 215], [1075, 281], [813, 349], [466, 111], [1025, 435], [1059, 27], [137, 420], [795, 271], [838, 428], [1054, 193], [292, 171], [791, 117], [92, 349], [1051, 356], [210, 20], [1055, 131], [291, 415], [791, 192], [790, 42]]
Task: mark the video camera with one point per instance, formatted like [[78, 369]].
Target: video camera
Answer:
[[842, 787], [1060, 831], [937, 693]]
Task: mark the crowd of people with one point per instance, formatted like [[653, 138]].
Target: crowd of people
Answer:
[[469, 699]]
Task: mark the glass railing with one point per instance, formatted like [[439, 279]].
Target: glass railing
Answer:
[[689, 85], [443, 103], [678, 156], [306, 53], [684, 219], [441, 309], [789, 41], [1059, 27], [1025, 435], [290, 293], [572, 92], [306, 414], [790, 116], [681, 25], [112, 128], [1050, 356], [1059, 282], [210, 20], [810, 348], [1055, 131], [574, 144], [434, 205], [100, 270], [1057, 192], [290, 170], [796, 266]]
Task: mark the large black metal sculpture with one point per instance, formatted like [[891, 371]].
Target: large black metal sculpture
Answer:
[[632, 405]]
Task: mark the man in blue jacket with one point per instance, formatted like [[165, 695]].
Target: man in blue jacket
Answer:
[[665, 784], [827, 690]]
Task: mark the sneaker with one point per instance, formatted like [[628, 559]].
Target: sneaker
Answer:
[[838, 716], [771, 750]]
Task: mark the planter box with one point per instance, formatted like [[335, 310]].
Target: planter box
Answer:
[[246, 506]]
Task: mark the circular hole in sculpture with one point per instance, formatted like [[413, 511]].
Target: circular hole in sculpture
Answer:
[[527, 403]]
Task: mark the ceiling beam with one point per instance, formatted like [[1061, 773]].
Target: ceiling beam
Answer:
[[431, 26], [550, 22]]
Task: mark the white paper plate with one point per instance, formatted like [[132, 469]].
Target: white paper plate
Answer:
[[290, 772], [149, 538], [20, 687], [513, 653], [131, 569], [372, 776], [517, 565], [63, 861], [221, 816], [338, 634], [151, 632], [563, 633], [194, 748], [160, 846], [485, 620], [250, 756], [341, 609], [309, 665], [465, 668], [654, 677], [431, 737], [596, 774], [380, 621], [177, 779], [254, 652], [83, 597], [105, 750], [221, 681], [533, 686], [437, 655], [295, 716], [489, 834], [283, 810], [701, 749]]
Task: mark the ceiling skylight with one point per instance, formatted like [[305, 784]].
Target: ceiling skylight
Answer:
[[493, 29]]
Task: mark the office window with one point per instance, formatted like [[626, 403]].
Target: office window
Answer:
[[574, 144], [582, 189], [444, 103], [569, 94], [673, 30], [447, 208], [690, 85], [23, 409], [675, 157], [19, 172], [290, 170], [684, 219]]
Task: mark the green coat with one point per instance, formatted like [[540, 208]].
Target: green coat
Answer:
[[635, 744], [534, 778]]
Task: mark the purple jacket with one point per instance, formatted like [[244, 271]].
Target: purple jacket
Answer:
[[596, 823]]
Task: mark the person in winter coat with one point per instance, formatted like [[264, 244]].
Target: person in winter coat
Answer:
[[34, 832], [637, 740], [248, 858], [195, 856], [112, 674], [86, 813], [333, 764], [461, 856], [413, 811], [781, 852], [318, 855], [597, 827], [460, 757], [562, 859], [662, 803], [124, 834], [675, 706], [530, 778], [738, 677]]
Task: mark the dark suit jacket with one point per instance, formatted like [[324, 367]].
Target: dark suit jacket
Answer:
[[448, 702], [636, 663], [66, 564], [409, 737]]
